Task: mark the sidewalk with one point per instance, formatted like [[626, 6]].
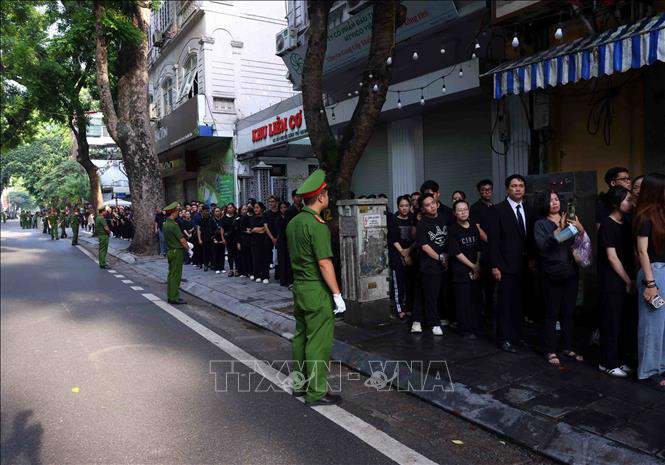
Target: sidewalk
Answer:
[[574, 414]]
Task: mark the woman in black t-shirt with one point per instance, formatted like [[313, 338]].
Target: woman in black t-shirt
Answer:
[[245, 240], [650, 229], [432, 240], [260, 248], [218, 245], [616, 278], [464, 250], [229, 233], [400, 243]]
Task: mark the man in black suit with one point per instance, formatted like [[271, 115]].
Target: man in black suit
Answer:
[[511, 247]]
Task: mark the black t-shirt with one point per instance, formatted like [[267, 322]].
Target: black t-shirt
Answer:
[[257, 222], [645, 230], [614, 235], [186, 226], [214, 226], [432, 232], [445, 209], [159, 219], [291, 213], [269, 218], [482, 214], [399, 230], [229, 225], [465, 241]]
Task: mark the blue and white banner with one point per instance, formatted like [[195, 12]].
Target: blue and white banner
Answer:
[[614, 51]]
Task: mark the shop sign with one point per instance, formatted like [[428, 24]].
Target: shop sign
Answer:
[[281, 126], [289, 126], [349, 42]]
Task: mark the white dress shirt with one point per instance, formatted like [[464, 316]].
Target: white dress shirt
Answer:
[[514, 205]]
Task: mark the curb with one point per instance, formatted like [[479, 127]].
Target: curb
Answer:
[[555, 439], [121, 254]]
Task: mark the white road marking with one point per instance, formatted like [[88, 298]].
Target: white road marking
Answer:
[[128, 281], [119, 275], [385, 444], [112, 271], [136, 288], [90, 256]]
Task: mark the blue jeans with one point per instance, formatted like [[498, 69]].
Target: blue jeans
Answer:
[[162, 243], [651, 328]]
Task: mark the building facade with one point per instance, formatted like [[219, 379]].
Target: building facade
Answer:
[[211, 63]]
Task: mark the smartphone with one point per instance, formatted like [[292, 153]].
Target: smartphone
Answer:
[[657, 302], [571, 211]]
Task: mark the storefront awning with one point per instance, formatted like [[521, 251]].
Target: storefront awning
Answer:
[[614, 51]]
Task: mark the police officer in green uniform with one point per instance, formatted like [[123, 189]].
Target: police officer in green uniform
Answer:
[[53, 224], [175, 242], [63, 224], [74, 221], [315, 293], [103, 232]]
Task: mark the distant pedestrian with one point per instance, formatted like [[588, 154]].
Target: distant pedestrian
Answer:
[[103, 231], [175, 245], [74, 221]]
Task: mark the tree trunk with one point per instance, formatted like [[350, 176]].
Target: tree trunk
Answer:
[[82, 154], [130, 125]]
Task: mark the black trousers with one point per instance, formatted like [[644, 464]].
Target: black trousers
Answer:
[[284, 262], [232, 251], [617, 329], [244, 258], [510, 312], [261, 253], [197, 258], [402, 280], [560, 299], [207, 252], [487, 284], [467, 306], [218, 254], [431, 285]]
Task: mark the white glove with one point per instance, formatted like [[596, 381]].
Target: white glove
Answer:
[[340, 306], [191, 249]]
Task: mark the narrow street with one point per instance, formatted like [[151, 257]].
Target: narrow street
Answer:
[[94, 371]]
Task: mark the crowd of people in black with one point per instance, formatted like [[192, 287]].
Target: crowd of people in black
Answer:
[[452, 265]]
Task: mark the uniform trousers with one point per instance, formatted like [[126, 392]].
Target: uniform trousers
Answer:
[[510, 313], [174, 257], [103, 248], [467, 306], [560, 299], [432, 285], [313, 337], [75, 234], [218, 253]]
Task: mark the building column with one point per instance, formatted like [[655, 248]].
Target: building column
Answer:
[[405, 157]]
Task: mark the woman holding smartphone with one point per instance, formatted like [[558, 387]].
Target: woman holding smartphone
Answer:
[[650, 230]]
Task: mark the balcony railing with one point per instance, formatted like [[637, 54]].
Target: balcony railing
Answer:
[[185, 10]]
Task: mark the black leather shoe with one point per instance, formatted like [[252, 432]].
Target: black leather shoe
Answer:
[[508, 347], [183, 280], [177, 302], [328, 399], [298, 393]]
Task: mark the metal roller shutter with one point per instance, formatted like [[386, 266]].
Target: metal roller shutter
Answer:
[[371, 173]]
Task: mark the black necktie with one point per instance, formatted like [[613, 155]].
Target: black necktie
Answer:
[[520, 220]]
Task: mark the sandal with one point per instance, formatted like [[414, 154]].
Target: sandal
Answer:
[[553, 359], [573, 355], [656, 381]]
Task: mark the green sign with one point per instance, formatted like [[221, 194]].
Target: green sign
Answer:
[[215, 180]]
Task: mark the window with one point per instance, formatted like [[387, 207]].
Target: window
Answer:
[[277, 170], [223, 105], [94, 128], [167, 96], [189, 85]]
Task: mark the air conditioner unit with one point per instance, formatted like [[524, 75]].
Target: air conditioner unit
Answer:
[[354, 6], [285, 40], [158, 39]]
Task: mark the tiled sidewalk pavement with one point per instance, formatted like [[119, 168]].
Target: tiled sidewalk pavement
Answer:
[[574, 414]]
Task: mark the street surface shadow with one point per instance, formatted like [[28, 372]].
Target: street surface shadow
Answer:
[[24, 440]]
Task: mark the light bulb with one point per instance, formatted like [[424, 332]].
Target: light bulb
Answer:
[[473, 56], [356, 92], [375, 88], [333, 114], [461, 73], [321, 111], [389, 61], [442, 51], [360, 84], [477, 46], [443, 88], [516, 42], [422, 100], [399, 104], [558, 34], [349, 94], [415, 56], [371, 75]]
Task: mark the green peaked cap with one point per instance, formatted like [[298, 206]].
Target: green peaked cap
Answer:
[[171, 206], [313, 183]]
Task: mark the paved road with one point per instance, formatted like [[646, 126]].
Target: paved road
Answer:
[[94, 372]]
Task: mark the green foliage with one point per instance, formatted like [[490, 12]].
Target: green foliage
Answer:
[[21, 198], [63, 184]]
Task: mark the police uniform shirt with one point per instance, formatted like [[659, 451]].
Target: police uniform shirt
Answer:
[[172, 234], [308, 239], [100, 224]]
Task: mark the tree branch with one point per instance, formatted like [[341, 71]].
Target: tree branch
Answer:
[[103, 81]]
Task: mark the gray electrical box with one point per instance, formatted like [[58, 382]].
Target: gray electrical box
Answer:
[[363, 235]]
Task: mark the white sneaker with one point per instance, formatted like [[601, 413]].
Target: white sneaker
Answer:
[[436, 330], [258, 280], [615, 372], [224, 271], [242, 276], [627, 369], [416, 328], [265, 281], [217, 272], [445, 323], [558, 326], [251, 277]]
